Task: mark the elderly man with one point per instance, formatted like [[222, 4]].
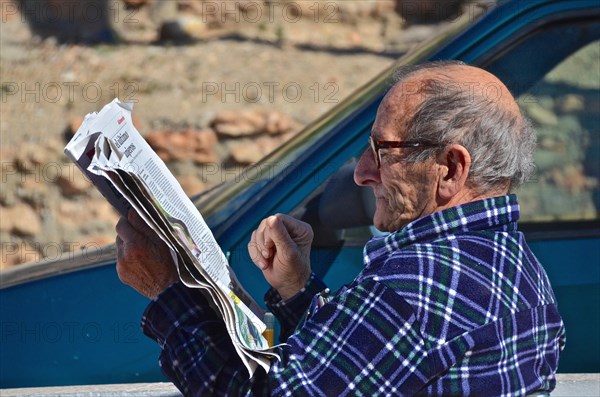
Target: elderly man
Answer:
[[451, 302]]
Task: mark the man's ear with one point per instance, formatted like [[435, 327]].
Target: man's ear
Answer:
[[455, 163]]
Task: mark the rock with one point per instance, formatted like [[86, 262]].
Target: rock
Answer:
[[8, 197], [250, 8], [351, 11], [10, 177], [35, 192], [161, 11], [245, 152], [70, 212], [236, 129], [195, 145], [6, 221], [540, 115], [39, 160], [573, 179], [27, 222], [73, 183], [428, 11], [77, 220], [184, 29], [237, 124], [135, 3], [277, 123], [249, 151], [212, 14], [20, 220], [247, 123], [383, 8], [355, 38], [571, 103], [7, 154], [82, 21]]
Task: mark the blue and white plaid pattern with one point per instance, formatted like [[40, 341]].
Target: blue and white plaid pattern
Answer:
[[454, 303]]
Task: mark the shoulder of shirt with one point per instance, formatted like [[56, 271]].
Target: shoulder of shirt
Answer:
[[410, 267], [411, 263]]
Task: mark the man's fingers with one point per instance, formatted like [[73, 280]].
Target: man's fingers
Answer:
[[127, 232], [297, 230], [140, 225], [120, 252], [254, 249], [123, 260], [278, 233], [263, 240]]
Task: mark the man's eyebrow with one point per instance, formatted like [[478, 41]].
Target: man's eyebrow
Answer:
[[394, 136]]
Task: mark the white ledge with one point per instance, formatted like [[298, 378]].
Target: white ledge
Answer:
[[567, 385]]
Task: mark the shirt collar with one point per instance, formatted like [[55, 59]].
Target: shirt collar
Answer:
[[496, 213]]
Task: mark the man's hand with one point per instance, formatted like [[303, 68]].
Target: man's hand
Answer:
[[280, 247], [144, 261]]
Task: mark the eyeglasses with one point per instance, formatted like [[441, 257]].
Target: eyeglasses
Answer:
[[376, 144]]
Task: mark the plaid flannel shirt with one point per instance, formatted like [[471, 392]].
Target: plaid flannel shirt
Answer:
[[454, 303]]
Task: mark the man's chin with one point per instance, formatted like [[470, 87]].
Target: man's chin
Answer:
[[384, 226], [380, 224]]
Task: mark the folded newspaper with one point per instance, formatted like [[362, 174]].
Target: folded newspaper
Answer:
[[111, 152]]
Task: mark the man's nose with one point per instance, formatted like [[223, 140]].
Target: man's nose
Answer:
[[366, 172]]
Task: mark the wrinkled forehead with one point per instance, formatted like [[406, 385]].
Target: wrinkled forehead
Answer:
[[397, 108]]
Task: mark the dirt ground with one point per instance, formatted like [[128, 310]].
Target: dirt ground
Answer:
[[238, 66], [298, 67]]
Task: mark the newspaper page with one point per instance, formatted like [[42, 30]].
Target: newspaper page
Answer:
[[114, 156]]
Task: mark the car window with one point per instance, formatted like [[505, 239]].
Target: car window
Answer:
[[565, 109], [339, 211]]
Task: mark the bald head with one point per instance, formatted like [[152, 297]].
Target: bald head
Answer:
[[451, 102], [478, 84]]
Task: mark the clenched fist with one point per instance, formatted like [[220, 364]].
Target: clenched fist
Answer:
[[280, 247]]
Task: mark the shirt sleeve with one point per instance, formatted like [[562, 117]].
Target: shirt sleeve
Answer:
[[197, 354], [365, 338]]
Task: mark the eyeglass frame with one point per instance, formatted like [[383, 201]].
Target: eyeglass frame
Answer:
[[377, 144]]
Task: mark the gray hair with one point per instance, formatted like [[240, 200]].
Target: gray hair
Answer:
[[500, 142]]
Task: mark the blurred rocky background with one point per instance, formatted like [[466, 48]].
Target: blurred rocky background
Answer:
[[217, 86], [565, 108]]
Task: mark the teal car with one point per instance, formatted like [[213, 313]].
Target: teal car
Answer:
[[73, 322]]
